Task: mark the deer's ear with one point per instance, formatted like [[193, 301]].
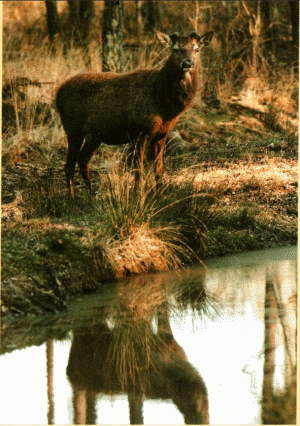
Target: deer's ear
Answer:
[[206, 38], [195, 36], [163, 38], [174, 37]]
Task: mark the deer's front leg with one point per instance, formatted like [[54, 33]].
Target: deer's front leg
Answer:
[[139, 160], [135, 409], [159, 148]]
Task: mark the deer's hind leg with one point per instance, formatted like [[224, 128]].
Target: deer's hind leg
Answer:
[[74, 144], [139, 155], [89, 148]]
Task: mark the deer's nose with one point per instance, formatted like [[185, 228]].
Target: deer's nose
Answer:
[[187, 64]]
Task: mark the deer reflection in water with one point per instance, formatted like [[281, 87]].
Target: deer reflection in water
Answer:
[[122, 354]]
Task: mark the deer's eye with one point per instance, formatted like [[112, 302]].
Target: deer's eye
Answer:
[[196, 48]]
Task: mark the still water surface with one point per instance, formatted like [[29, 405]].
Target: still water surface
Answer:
[[197, 333]]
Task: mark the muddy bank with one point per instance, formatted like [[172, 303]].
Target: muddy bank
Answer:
[[44, 266]]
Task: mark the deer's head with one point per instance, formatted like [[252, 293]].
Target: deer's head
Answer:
[[184, 50]]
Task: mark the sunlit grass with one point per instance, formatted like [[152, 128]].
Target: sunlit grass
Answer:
[[235, 169]]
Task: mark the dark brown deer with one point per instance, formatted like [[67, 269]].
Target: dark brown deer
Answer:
[[140, 107], [163, 373], [117, 350]]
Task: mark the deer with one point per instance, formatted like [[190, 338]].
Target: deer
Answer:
[[118, 350], [139, 107], [164, 373]]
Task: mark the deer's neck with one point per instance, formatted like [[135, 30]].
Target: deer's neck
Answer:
[[177, 89]]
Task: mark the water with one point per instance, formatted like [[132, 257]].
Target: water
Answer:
[[193, 335]]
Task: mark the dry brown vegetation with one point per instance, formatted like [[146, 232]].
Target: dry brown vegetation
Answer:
[[230, 175]]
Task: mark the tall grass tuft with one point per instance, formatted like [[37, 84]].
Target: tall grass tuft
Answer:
[[147, 222]]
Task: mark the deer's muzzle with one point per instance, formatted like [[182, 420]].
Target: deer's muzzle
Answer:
[[187, 64]]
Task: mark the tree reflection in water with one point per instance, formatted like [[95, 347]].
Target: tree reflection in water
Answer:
[[278, 407]]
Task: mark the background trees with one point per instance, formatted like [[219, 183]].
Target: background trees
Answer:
[[52, 18], [112, 36], [247, 31], [254, 53]]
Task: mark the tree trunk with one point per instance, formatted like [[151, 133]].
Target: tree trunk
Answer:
[[52, 18], [86, 13], [266, 24], [50, 378], [269, 349], [152, 15], [112, 36], [81, 13], [74, 19], [254, 20], [138, 5], [294, 7]]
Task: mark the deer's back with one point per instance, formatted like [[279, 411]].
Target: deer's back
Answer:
[[98, 93], [117, 104]]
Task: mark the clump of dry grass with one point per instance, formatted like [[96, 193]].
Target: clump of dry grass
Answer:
[[145, 251], [149, 230]]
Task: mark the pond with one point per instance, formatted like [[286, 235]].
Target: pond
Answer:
[[213, 343]]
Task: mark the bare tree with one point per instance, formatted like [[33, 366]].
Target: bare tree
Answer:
[[269, 348], [151, 14], [50, 377], [267, 25], [294, 7], [112, 36], [86, 14], [138, 5], [81, 13], [255, 28], [74, 19], [52, 19]]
